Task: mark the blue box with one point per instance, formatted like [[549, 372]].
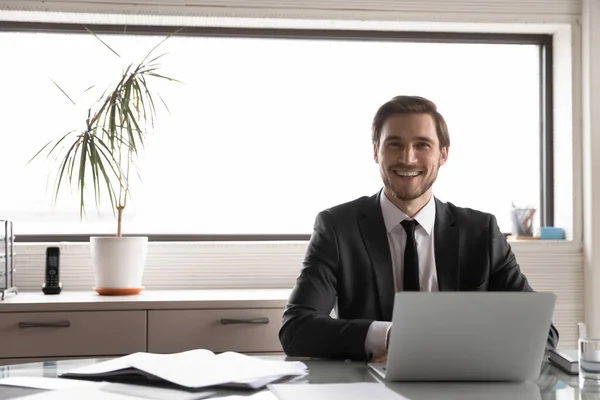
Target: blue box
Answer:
[[552, 233]]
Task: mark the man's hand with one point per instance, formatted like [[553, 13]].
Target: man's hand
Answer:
[[382, 359]]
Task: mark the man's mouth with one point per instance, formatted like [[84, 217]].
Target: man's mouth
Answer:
[[406, 174]]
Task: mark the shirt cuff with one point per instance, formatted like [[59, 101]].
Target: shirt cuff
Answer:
[[375, 343]]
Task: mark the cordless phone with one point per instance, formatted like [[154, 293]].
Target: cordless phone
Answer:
[[52, 283]]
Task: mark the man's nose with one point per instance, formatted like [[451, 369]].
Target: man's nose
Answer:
[[408, 155]]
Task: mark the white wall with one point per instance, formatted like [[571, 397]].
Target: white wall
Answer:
[[591, 158]]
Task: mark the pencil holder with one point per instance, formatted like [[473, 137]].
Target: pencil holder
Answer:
[[522, 221]]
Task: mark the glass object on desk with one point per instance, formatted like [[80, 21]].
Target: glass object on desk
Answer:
[[588, 354], [589, 358]]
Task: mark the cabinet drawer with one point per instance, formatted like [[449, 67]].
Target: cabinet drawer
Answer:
[[247, 330], [53, 334]]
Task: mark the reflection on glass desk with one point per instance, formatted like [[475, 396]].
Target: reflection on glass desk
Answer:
[[552, 383]]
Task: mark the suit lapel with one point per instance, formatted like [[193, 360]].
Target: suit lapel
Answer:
[[374, 236], [445, 238]]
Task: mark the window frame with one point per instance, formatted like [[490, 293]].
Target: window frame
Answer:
[[544, 41]]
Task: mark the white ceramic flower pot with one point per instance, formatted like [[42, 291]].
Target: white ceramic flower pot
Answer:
[[118, 264]]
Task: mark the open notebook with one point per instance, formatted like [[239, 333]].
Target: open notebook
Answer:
[[193, 369]]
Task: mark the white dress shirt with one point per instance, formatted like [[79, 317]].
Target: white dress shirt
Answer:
[[375, 343]]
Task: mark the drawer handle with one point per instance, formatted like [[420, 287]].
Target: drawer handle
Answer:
[[229, 321], [55, 324]]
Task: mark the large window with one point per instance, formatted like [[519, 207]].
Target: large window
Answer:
[[264, 132]]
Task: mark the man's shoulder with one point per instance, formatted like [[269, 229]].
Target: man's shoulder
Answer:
[[467, 215], [350, 207]]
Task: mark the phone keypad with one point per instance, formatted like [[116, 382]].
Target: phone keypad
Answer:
[[52, 278]]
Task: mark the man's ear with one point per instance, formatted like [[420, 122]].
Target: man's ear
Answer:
[[444, 155], [375, 153]]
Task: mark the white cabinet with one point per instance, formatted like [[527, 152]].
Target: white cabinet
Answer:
[[240, 330], [83, 324], [58, 334]]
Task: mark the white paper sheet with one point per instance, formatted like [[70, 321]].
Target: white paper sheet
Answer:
[[259, 383], [334, 391], [266, 395], [38, 382], [197, 368], [123, 362], [87, 393], [117, 391], [187, 369]]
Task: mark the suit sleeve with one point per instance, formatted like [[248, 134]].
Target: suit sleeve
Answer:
[[307, 329], [506, 275]]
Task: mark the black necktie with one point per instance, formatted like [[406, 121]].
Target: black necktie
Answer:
[[411, 258]]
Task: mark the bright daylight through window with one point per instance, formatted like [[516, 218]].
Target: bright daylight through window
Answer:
[[263, 133]]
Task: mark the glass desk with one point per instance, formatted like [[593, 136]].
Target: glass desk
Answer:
[[552, 383]]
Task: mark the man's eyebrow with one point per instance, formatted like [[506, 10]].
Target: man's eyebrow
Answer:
[[416, 139], [394, 137], [424, 139]]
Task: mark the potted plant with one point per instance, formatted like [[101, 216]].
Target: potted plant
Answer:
[[103, 156]]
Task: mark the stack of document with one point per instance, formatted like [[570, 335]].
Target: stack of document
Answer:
[[194, 369]]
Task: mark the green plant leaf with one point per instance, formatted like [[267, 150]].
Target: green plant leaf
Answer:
[[141, 106], [99, 152], [160, 43], [65, 93], [88, 89], [152, 108], [103, 156], [81, 177], [165, 77], [65, 167], [102, 41], [163, 103]]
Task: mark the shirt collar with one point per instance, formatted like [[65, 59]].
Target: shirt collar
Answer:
[[392, 215]]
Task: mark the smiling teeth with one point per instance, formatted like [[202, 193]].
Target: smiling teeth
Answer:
[[414, 173]]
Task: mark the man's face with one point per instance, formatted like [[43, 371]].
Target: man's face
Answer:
[[409, 156]]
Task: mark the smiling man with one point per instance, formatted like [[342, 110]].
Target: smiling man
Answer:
[[400, 239]]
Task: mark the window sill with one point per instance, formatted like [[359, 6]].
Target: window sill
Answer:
[[551, 246]]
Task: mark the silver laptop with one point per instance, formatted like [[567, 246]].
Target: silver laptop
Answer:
[[468, 336]]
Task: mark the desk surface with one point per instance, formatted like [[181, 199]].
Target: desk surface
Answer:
[[552, 383]]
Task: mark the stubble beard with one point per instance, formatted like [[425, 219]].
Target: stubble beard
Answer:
[[408, 196]]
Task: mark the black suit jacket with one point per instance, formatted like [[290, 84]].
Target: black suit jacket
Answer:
[[348, 259]]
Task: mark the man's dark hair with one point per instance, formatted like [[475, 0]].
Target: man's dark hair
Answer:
[[410, 105]]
